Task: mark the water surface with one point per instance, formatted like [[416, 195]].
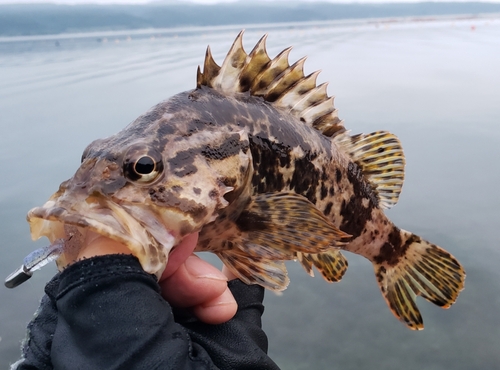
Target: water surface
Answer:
[[435, 84]]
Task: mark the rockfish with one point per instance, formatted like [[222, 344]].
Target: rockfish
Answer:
[[257, 161]]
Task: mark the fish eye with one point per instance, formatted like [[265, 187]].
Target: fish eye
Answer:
[[145, 165], [143, 168]]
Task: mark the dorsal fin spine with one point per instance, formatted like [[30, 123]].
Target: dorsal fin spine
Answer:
[[280, 84], [274, 68], [236, 59], [258, 59], [330, 124], [312, 97], [296, 92], [199, 78], [210, 69], [285, 80], [314, 112]]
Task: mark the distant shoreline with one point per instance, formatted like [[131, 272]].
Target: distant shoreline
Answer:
[[342, 24], [29, 20]]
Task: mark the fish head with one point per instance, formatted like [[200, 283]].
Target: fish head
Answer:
[[144, 192]]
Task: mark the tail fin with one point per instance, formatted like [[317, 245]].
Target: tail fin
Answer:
[[420, 268]]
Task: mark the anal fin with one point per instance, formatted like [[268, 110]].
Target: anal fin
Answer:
[[331, 264]]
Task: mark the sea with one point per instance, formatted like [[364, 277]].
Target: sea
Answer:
[[433, 82]]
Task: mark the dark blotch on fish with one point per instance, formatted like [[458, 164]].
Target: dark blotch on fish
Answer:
[[338, 175], [197, 125], [328, 208], [306, 177], [394, 248], [183, 163], [361, 190], [249, 221], [231, 146], [196, 210], [268, 158]]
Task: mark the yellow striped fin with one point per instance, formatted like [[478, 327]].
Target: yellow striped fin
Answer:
[[331, 264], [380, 156], [425, 270]]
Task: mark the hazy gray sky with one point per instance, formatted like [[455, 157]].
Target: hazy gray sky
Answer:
[[214, 1]]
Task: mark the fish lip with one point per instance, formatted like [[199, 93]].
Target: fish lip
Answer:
[[103, 217], [64, 217]]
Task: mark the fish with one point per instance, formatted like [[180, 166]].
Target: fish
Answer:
[[257, 161]]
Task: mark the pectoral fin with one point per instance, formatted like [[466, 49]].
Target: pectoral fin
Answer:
[[277, 225], [274, 227]]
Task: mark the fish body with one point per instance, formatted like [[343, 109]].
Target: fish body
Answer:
[[256, 160]]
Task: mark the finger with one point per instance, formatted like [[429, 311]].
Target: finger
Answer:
[[218, 310], [228, 273], [193, 283], [180, 253]]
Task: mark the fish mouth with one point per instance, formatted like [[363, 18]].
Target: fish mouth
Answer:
[[140, 229]]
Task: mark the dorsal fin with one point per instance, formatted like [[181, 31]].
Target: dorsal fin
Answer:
[[281, 84], [380, 156]]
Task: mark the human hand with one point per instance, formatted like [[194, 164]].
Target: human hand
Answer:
[[187, 282]]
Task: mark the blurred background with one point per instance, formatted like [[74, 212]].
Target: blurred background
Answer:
[[71, 72]]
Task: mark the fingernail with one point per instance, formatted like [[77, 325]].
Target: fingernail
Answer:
[[219, 304], [202, 270], [212, 276]]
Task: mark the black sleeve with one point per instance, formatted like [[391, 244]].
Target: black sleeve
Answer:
[[107, 313]]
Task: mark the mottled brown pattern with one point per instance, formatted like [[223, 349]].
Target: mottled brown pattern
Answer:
[[256, 160], [169, 199], [394, 248], [183, 163], [232, 146]]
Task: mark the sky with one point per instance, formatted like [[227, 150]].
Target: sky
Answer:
[[216, 1]]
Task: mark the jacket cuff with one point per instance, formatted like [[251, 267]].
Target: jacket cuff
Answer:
[[95, 268]]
